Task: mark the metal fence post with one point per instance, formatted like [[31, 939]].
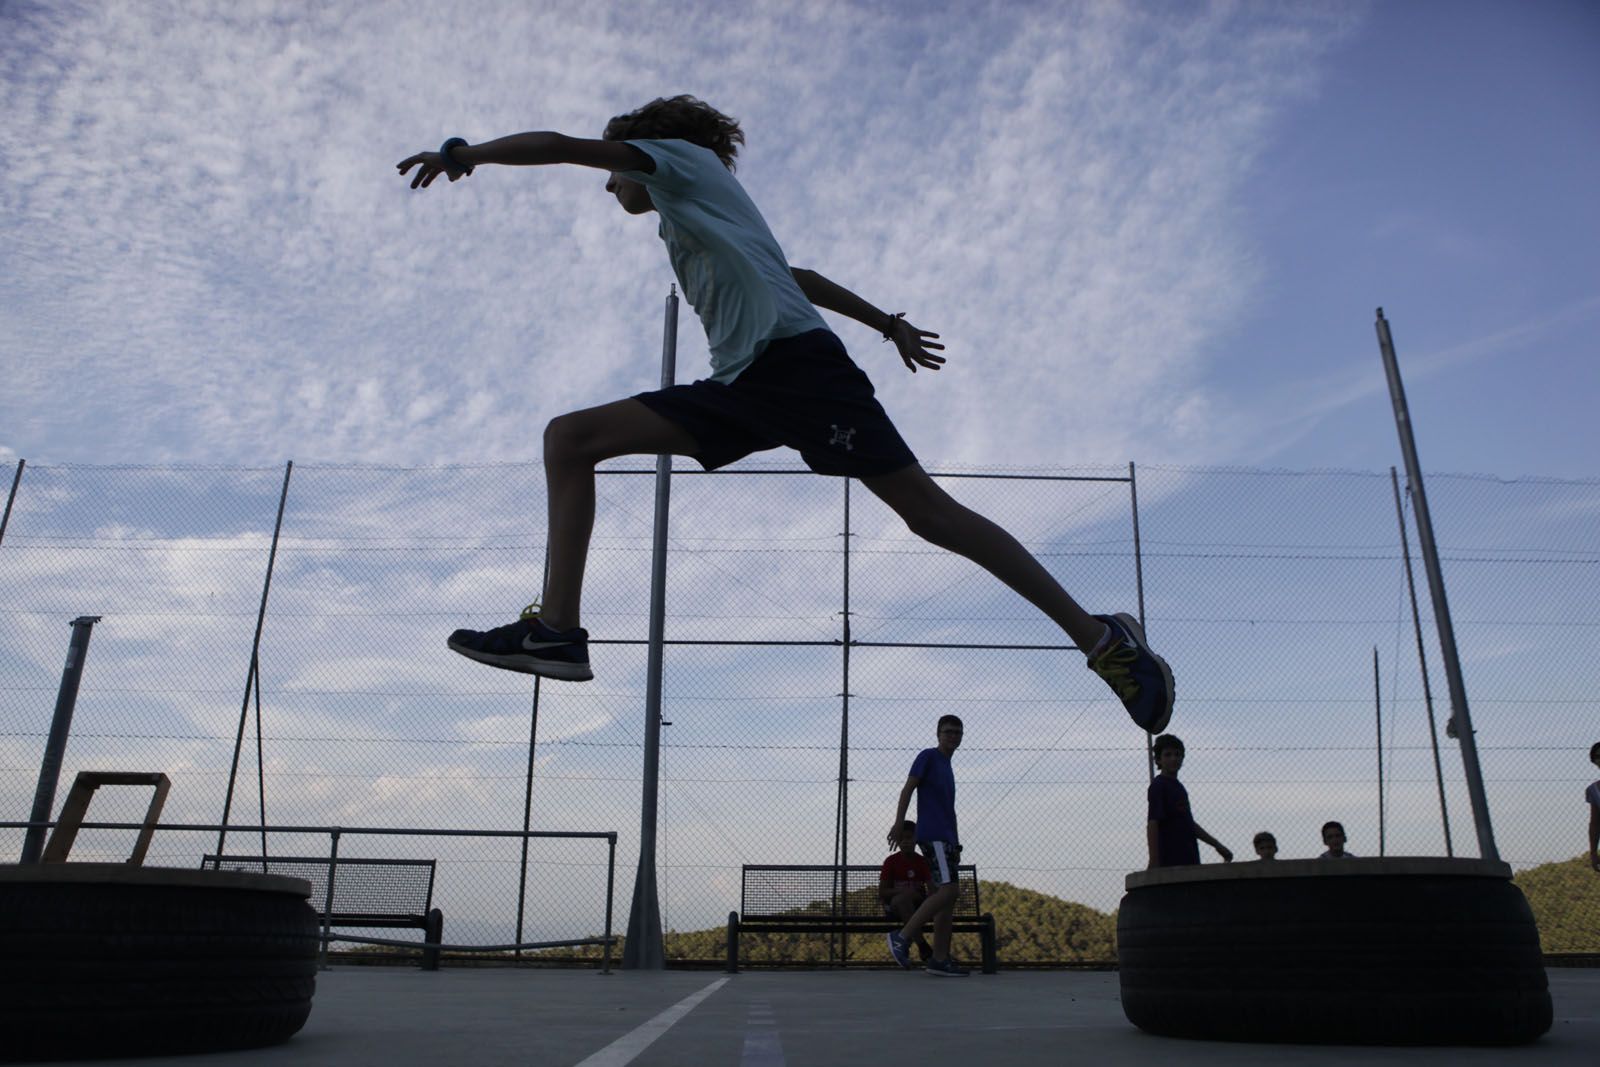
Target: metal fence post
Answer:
[[16, 480], [327, 901], [55, 747], [644, 949], [841, 823], [1460, 716], [253, 674], [1422, 660]]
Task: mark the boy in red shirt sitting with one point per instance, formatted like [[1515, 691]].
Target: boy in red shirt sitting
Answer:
[[903, 883]]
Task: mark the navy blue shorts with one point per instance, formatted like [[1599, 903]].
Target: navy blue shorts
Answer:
[[804, 393]]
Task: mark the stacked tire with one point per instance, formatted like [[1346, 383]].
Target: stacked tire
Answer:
[[1381, 952], [112, 960]]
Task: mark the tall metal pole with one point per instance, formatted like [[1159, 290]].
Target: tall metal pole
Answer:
[[255, 660], [16, 479], [44, 795], [1138, 583], [644, 949], [527, 793], [1460, 714], [1377, 703], [841, 826], [1422, 661]]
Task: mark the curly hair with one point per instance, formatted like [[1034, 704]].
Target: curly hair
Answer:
[[682, 117]]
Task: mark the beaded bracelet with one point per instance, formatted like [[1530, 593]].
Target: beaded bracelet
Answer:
[[450, 145], [888, 332]]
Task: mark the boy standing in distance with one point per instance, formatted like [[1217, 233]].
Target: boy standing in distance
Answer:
[[1266, 846], [1592, 795], [779, 376], [903, 883], [935, 785], [1333, 837], [1170, 829]]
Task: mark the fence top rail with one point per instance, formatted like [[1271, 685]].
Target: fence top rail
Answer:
[[322, 861], [823, 866], [932, 474], [392, 831]]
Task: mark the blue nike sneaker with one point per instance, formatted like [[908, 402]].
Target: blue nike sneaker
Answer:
[[900, 949], [529, 646], [1140, 678]]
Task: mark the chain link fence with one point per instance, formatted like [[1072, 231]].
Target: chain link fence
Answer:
[[812, 645]]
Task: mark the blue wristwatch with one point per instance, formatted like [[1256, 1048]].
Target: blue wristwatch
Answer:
[[445, 150]]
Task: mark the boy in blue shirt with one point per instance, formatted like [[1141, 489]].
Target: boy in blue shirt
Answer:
[[779, 377], [934, 783]]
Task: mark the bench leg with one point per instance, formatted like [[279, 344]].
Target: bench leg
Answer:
[[432, 934], [733, 942], [991, 963]]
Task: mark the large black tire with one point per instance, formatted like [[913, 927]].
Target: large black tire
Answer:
[[1391, 952], [111, 960]]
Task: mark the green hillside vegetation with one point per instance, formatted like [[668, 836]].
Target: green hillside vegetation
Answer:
[[1034, 927], [1030, 927], [1565, 898]]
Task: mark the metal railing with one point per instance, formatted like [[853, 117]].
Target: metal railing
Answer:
[[334, 833]]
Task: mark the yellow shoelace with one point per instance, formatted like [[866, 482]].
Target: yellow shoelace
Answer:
[[1115, 666]]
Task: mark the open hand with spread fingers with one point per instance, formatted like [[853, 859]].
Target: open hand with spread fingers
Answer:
[[916, 345]]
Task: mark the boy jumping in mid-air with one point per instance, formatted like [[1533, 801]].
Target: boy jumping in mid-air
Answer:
[[779, 376]]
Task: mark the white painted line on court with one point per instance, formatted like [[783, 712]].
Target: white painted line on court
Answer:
[[627, 1047], [761, 1045]]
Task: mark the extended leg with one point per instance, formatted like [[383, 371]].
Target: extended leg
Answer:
[[1114, 644], [573, 445], [936, 517]]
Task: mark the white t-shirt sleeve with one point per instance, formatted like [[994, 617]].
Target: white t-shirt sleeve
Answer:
[[674, 166]]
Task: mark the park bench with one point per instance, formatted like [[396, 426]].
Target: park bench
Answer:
[[782, 899], [366, 892]]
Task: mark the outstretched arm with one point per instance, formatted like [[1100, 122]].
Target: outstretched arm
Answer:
[[914, 344], [527, 150], [900, 809]]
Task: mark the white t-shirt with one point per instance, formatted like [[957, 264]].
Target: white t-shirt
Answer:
[[731, 269]]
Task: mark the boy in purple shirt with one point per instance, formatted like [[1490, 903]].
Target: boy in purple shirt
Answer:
[[1170, 829]]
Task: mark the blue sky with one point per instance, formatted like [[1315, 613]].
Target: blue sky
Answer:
[[1150, 232]]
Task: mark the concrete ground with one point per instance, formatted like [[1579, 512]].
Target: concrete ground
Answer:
[[482, 1016]]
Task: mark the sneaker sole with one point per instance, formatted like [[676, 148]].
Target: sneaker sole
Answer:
[[1137, 633], [566, 672], [945, 974]]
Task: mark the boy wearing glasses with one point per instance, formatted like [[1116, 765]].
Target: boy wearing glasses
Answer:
[[934, 783]]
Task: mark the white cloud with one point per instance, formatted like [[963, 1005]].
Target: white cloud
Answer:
[[212, 248]]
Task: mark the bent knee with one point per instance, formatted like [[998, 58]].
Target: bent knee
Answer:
[[568, 439]]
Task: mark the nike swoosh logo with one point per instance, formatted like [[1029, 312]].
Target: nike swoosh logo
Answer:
[[534, 646]]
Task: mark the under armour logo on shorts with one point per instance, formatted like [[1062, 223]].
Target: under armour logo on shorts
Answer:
[[842, 437]]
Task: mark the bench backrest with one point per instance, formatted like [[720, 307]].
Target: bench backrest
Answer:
[[777, 892], [362, 886]]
